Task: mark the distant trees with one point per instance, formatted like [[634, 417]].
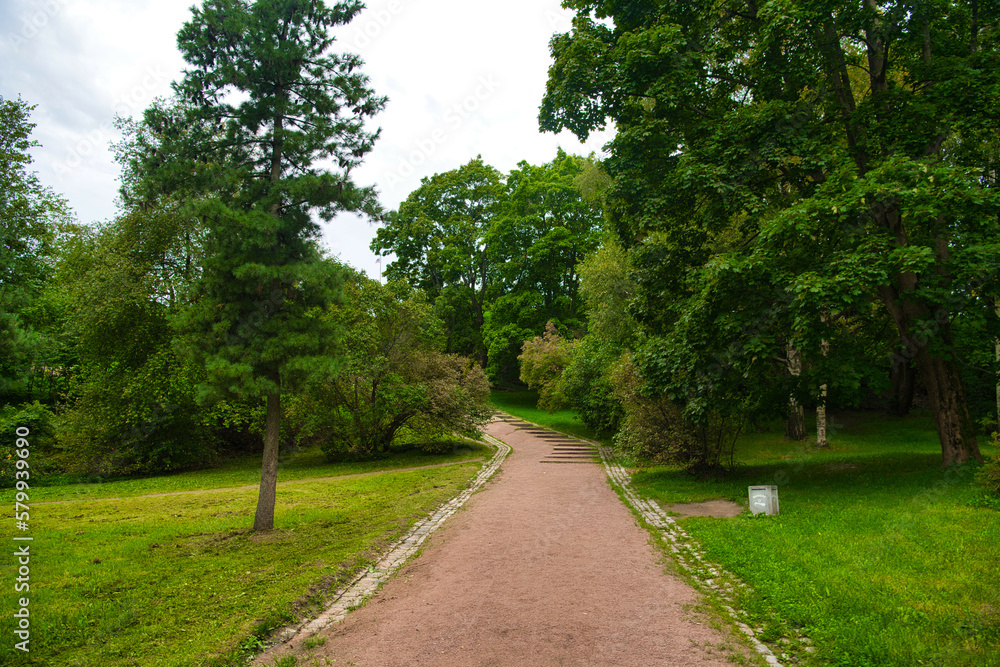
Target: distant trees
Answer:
[[498, 255]]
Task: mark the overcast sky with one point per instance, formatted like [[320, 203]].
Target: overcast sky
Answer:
[[463, 78]]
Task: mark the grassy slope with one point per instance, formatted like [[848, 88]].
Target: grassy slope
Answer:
[[177, 580], [877, 554]]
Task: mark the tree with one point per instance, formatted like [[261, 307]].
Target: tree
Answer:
[[261, 107], [439, 239], [497, 254], [841, 146], [543, 232], [543, 360], [31, 216]]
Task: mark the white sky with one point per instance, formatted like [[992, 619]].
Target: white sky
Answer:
[[463, 78]]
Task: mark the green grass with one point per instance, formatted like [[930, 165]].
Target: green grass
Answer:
[[245, 471], [180, 580], [880, 556], [524, 405]]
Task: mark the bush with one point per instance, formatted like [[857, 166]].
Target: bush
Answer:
[[543, 360], [656, 429], [989, 474], [586, 384], [37, 418], [129, 421], [394, 378]]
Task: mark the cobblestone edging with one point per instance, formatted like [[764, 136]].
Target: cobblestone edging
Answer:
[[686, 552], [368, 581]]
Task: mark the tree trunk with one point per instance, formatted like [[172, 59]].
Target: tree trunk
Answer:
[[998, 372], [951, 413], [264, 519], [904, 383], [795, 427], [821, 440]]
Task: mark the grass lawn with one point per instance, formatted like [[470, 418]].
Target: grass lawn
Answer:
[[878, 555], [180, 580]]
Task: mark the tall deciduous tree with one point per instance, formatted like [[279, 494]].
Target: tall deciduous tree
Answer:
[[439, 238], [840, 146], [30, 215], [263, 110]]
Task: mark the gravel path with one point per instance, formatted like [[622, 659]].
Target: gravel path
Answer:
[[545, 566]]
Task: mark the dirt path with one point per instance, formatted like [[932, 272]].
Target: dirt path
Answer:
[[545, 566]]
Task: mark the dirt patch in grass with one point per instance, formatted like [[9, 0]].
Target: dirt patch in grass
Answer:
[[720, 509]]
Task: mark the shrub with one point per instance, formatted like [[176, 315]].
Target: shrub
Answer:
[[543, 360], [586, 384], [656, 429], [37, 418], [135, 420], [394, 377], [989, 474]]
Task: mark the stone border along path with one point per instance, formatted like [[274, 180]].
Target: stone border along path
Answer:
[[369, 580], [685, 551]]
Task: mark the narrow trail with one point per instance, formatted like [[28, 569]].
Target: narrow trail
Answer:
[[544, 566]]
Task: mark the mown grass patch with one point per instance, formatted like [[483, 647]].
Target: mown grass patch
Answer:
[[878, 555], [245, 471], [180, 580]]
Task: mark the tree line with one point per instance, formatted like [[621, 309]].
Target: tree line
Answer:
[[798, 210]]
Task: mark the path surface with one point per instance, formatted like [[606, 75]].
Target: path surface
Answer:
[[545, 566]]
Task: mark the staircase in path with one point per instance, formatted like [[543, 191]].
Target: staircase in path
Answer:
[[565, 448]]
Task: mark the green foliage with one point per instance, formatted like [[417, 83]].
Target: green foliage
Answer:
[[498, 255], [394, 377], [989, 475], [775, 172], [131, 404], [38, 420], [543, 360], [30, 217], [130, 419], [654, 428], [587, 386], [606, 288]]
